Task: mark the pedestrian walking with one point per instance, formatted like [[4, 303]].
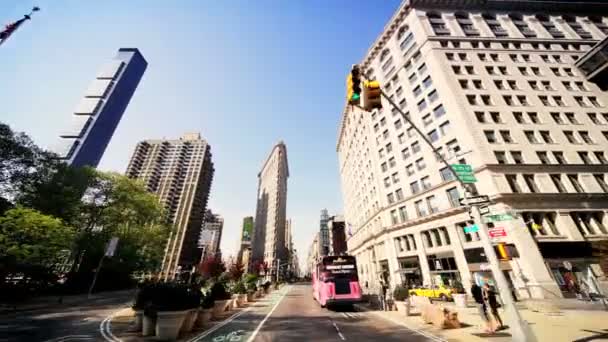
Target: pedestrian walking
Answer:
[[382, 294], [490, 298], [477, 294]]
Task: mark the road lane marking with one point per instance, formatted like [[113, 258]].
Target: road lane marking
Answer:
[[255, 332], [338, 330], [105, 328]]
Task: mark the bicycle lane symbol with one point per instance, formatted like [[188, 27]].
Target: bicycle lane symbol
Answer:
[[233, 336]]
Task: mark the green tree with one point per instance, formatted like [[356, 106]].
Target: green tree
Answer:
[[30, 238]]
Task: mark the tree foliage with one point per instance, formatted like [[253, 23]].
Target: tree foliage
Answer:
[[211, 267], [30, 239], [236, 271]]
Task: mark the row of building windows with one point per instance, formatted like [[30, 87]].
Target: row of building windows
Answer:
[[558, 180], [469, 29], [558, 156], [539, 137], [524, 101], [598, 119]]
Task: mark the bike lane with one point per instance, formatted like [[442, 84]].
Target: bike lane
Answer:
[[244, 324]]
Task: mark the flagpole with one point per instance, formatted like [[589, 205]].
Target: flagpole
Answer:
[[12, 27]]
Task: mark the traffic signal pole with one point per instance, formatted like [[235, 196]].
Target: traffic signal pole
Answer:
[[520, 329]]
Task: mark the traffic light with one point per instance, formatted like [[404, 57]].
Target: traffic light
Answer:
[[371, 95], [353, 86]]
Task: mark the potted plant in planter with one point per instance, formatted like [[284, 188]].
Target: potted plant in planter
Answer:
[[142, 297], [204, 314], [251, 292], [221, 298], [266, 287], [401, 294], [194, 302], [459, 295], [171, 304], [241, 293]]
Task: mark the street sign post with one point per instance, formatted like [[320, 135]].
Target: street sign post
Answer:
[[498, 217], [471, 229], [464, 172], [497, 232], [474, 200]]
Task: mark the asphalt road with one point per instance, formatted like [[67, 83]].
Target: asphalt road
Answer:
[[62, 323], [291, 314]]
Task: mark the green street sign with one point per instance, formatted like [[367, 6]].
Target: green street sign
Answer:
[[467, 178], [498, 217], [462, 168], [471, 229]]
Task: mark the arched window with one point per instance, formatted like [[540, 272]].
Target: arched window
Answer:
[[402, 31], [384, 54]]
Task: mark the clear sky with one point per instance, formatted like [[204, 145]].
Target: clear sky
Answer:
[[244, 74]]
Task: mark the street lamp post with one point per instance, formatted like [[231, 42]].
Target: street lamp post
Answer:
[[520, 330]]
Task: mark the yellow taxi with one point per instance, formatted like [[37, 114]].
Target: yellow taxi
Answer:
[[441, 292]]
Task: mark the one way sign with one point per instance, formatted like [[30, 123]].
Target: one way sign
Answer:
[[475, 200]]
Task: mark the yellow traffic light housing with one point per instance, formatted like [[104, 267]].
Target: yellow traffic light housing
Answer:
[[353, 86], [372, 97]]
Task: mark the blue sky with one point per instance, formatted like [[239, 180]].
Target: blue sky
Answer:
[[244, 74]]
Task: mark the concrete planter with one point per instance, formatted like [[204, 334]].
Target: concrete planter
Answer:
[[241, 299], [219, 307], [250, 297], [169, 323], [403, 306], [189, 321], [148, 325], [139, 320], [460, 299], [235, 302], [203, 317]]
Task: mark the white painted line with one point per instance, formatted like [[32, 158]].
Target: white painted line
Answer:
[[338, 330], [255, 332], [217, 326], [105, 327], [420, 332]]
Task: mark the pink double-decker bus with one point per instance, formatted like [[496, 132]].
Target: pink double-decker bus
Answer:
[[335, 281]]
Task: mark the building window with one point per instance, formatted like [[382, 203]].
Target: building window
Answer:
[[415, 147], [420, 209], [501, 157], [409, 169], [405, 153], [391, 198], [439, 111], [517, 157], [522, 26], [546, 136], [414, 187], [559, 157], [446, 174], [512, 180], [420, 164], [399, 194], [601, 181], [432, 204], [490, 136], [506, 137], [453, 197], [425, 182], [584, 156], [575, 183], [570, 137], [433, 135], [531, 137], [403, 214], [519, 117], [557, 181], [577, 27], [601, 158], [543, 157], [586, 137], [394, 217], [572, 118], [529, 179]]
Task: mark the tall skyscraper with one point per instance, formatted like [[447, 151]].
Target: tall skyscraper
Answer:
[[180, 172], [269, 233], [324, 236], [211, 234], [492, 84], [100, 110], [337, 235]]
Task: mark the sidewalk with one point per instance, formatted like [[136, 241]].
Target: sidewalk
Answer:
[[567, 325], [52, 302]]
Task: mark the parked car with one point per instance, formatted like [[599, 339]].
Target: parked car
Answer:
[[440, 292]]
